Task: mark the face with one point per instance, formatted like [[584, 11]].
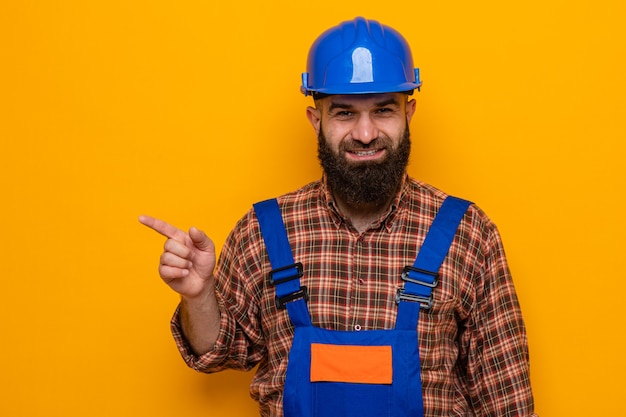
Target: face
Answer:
[[364, 144]]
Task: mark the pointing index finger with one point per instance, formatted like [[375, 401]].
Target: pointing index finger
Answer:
[[160, 227]]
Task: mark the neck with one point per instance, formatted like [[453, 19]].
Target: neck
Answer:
[[362, 215]]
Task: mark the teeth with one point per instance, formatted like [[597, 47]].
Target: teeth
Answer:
[[366, 153]]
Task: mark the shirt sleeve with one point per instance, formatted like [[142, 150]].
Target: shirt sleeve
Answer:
[[495, 340], [240, 344]]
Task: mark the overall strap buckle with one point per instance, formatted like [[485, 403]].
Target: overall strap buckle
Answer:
[[280, 275], [421, 286], [281, 302], [431, 283], [285, 274]]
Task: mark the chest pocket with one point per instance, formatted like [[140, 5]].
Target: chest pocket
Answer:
[[352, 364]]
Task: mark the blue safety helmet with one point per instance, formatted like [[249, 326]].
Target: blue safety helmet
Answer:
[[359, 57]]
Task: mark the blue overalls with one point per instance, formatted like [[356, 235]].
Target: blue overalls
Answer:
[[370, 373]]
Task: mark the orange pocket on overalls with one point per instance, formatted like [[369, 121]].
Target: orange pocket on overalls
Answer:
[[349, 363]]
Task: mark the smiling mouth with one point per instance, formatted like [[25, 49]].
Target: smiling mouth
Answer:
[[366, 153]]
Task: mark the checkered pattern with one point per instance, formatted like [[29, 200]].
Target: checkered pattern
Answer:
[[472, 342]]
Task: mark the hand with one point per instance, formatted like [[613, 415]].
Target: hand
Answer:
[[188, 259]]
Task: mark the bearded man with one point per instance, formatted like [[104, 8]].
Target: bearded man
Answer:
[[366, 293]]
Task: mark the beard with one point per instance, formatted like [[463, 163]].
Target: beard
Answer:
[[365, 183]]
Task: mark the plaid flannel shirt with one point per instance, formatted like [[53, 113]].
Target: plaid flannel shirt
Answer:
[[472, 343]]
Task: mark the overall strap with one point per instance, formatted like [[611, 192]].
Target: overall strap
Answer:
[[286, 273], [422, 277]]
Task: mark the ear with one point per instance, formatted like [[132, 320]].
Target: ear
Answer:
[[410, 110], [315, 118]]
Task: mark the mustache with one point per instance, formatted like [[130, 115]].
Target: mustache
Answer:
[[355, 145]]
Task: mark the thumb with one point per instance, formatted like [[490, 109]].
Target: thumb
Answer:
[[200, 239]]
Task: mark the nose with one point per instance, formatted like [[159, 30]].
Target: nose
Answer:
[[365, 129]]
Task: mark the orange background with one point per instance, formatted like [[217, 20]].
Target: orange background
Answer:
[[190, 111]]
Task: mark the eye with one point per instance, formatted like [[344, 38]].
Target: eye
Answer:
[[385, 110], [343, 114]]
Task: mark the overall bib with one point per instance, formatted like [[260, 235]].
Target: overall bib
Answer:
[[369, 373]]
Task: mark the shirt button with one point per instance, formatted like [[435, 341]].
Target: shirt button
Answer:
[[357, 327]]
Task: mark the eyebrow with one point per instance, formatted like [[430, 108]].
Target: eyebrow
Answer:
[[339, 105]]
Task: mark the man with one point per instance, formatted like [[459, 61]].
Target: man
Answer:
[[364, 293]]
